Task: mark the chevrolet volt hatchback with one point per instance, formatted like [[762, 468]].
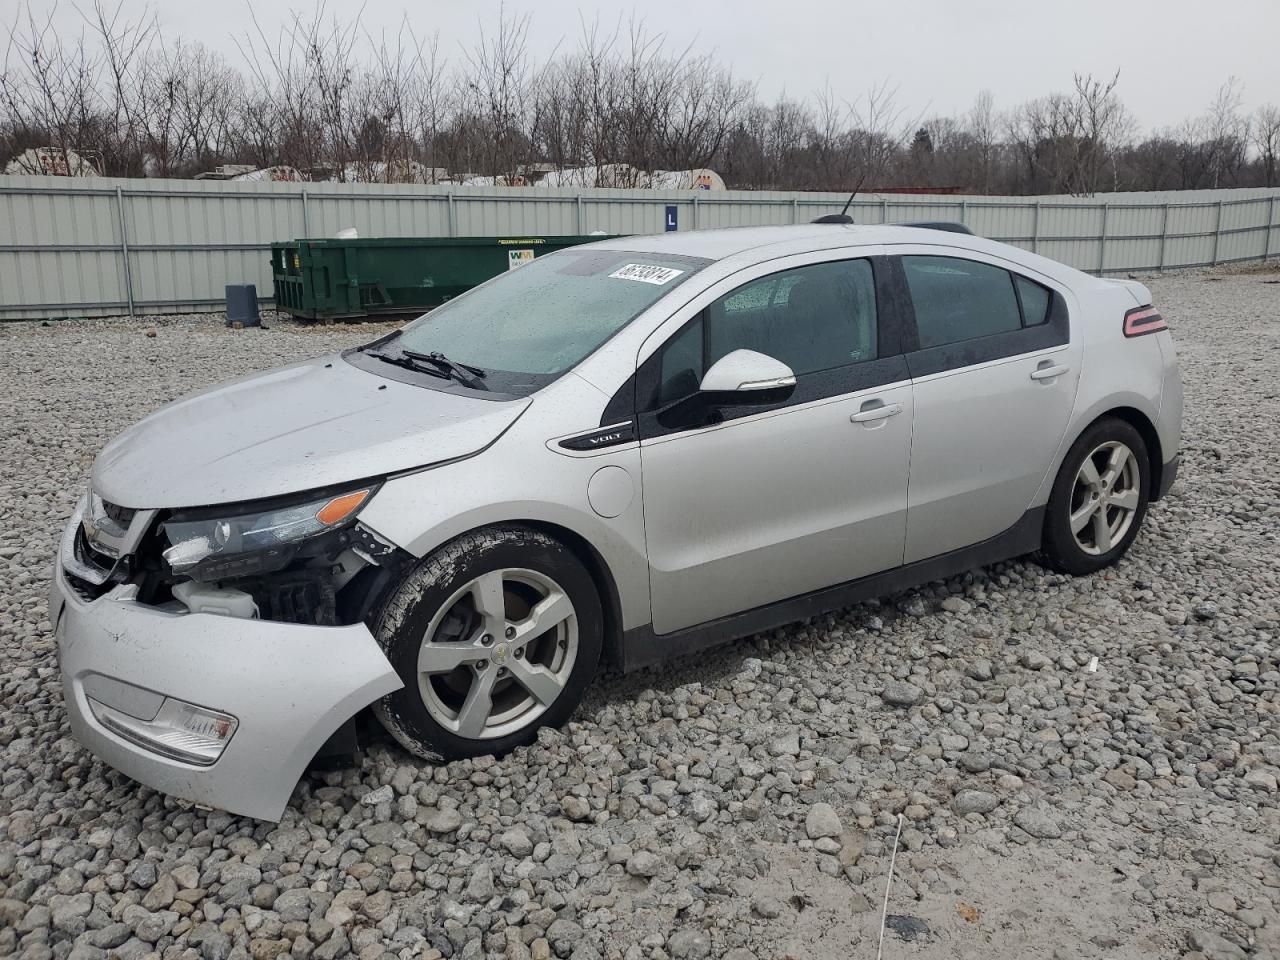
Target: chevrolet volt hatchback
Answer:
[[616, 454]]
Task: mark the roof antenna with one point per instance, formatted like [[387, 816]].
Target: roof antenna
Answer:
[[843, 215]]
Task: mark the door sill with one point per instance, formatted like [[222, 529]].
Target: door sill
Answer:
[[641, 647]]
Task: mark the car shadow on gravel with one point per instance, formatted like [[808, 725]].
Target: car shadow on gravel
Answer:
[[718, 665]]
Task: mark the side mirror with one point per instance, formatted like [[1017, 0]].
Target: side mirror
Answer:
[[745, 376]]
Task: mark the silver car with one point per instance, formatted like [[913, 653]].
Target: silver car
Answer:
[[613, 455]]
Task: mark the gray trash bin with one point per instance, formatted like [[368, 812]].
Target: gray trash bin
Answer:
[[242, 305]]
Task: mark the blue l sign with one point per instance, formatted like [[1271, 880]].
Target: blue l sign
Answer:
[[672, 212]]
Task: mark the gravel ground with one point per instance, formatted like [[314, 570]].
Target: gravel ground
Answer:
[[743, 805]]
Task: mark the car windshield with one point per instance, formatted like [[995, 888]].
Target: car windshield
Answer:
[[535, 322]]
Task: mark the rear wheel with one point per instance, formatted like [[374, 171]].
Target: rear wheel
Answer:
[[1099, 499], [494, 635]]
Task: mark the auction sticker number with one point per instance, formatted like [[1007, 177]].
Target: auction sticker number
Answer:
[[646, 273]]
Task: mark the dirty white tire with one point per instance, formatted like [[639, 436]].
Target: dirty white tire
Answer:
[[494, 635]]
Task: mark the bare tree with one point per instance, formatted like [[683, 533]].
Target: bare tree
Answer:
[[1065, 142], [983, 128], [126, 47], [326, 97], [648, 82], [1103, 126], [208, 97], [1227, 132], [430, 99], [881, 127], [306, 79], [496, 95], [706, 105], [1266, 137], [49, 89], [830, 143]]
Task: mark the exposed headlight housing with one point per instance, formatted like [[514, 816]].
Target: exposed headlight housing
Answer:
[[216, 544]]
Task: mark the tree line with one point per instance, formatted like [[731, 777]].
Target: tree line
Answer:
[[324, 96]]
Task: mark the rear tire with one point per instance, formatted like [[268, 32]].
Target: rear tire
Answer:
[[1099, 499], [494, 635]]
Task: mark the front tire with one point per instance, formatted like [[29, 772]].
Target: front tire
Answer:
[[1099, 499], [494, 635]]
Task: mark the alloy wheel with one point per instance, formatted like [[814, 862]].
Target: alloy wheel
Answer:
[[498, 653], [1105, 497]]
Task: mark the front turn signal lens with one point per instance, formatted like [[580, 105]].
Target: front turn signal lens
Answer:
[[339, 508]]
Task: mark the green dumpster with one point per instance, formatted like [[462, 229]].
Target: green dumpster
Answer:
[[353, 279]]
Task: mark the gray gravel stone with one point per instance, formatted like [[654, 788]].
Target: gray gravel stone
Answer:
[[576, 808], [68, 913], [1262, 780], [480, 887], [644, 864], [143, 874], [822, 821], [564, 935], [1214, 946], [901, 694], [767, 907], [516, 842], [974, 801], [110, 936], [688, 944], [384, 794], [1034, 660], [152, 926], [442, 821], [979, 670], [212, 941], [1038, 823]]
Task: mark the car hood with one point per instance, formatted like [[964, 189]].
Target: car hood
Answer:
[[296, 428]]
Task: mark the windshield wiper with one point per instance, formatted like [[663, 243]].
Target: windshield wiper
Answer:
[[434, 363], [464, 373]]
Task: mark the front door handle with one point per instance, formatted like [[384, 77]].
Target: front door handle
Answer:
[[1049, 372], [874, 410]]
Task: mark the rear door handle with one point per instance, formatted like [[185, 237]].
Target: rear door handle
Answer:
[[1049, 372], [874, 410]]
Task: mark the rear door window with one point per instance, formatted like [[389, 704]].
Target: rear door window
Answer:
[[958, 300]]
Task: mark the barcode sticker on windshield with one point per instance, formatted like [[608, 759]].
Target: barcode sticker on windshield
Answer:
[[646, 273]]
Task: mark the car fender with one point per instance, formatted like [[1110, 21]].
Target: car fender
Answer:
[[525, 478], [1082, 417]]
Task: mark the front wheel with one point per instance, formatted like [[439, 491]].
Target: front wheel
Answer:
[[494, 635], [1099, 499]]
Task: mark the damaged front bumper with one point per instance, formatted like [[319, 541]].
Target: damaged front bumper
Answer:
[[217, 710]]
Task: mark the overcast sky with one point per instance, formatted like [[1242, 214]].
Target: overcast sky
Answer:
[[1172, 54]]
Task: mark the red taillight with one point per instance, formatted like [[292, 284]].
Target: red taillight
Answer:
[[1142, 320]]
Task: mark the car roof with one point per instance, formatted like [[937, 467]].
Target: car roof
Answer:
[[721, 243], [764, 243]]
